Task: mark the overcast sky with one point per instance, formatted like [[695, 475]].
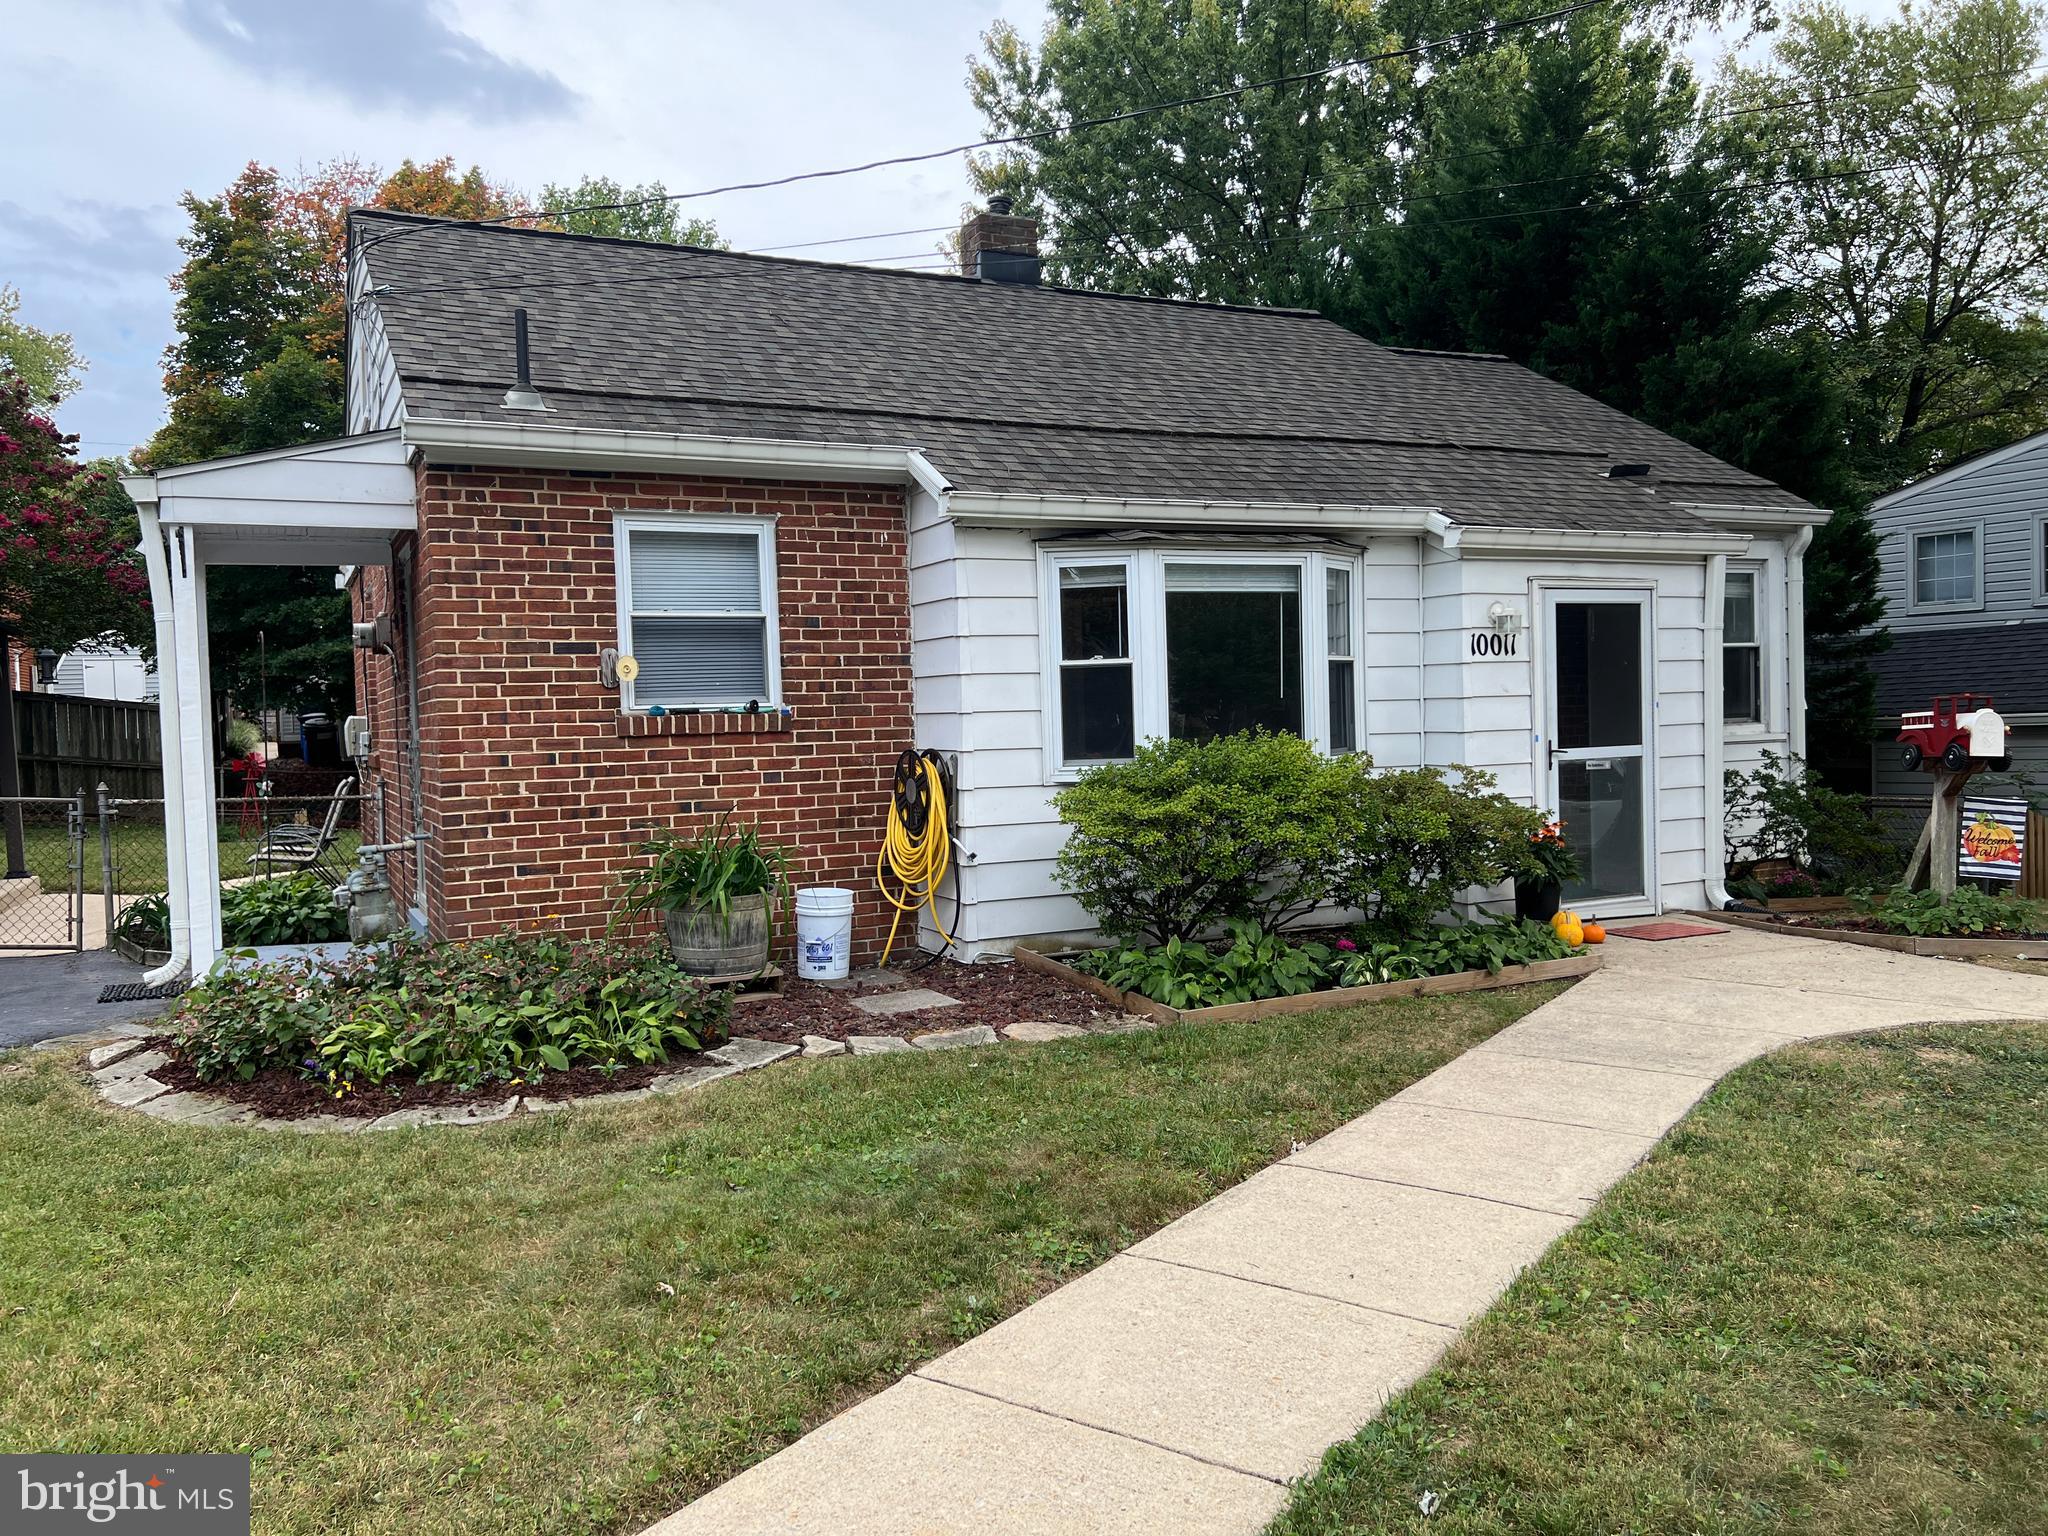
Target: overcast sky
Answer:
[[135, 101]]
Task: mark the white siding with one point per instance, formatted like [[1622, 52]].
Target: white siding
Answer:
[[374, 402], [980, 695]]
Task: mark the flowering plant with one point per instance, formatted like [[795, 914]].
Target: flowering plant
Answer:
[[68, 576], [1549, 857]]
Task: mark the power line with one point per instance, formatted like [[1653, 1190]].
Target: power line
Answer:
[[1073, 125]]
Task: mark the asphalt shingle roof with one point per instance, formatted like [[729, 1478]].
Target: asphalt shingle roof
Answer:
[[2007, 661], [1015, 389]]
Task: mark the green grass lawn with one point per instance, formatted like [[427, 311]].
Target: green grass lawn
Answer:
[[1823, 1306], [139, 856], [578, 1322]]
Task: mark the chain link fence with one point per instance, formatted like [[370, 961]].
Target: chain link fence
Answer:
[[42, 858]]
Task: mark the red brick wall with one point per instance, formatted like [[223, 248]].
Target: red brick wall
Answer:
[[380, 696], [537, 788]]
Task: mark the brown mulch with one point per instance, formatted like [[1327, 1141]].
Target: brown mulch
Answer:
[[284, 1095], [994, 994], [1856, 924]]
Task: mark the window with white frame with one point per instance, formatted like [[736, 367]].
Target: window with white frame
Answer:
[[1193, 644], [1742, 651], [1945, 568], [697, 612]]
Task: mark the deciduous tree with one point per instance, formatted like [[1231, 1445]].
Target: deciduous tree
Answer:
[[69, 578], [597, 205], [1907, 205], [46, 361]]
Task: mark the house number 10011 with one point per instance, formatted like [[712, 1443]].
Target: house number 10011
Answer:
[[1493, 643]]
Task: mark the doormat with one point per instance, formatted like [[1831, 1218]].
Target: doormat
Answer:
[[1655, 931], [138, 992]]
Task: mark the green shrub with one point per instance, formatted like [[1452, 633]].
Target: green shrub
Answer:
[[1969, 911], [145, 922], [1256, 964], [1425, 834], [1779, 811], [244, 737], [1188, 835], [1258, 828], [284, 909], [503, 1009]]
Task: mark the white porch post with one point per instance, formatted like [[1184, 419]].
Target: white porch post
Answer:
[[195, 731]]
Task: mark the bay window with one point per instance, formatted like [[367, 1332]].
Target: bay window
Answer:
[[697, 611], [1193, 644]]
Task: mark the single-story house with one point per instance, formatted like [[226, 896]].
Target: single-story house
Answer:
[[832, 512], [1963, 562]]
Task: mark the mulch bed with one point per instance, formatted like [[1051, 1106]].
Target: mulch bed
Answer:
[[1853, 923], [284, 1095], [994, 994]]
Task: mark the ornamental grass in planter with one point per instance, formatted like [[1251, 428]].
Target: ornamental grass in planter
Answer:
[[715, 893]]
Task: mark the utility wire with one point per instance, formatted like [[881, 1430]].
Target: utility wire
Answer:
[[1058, 130]]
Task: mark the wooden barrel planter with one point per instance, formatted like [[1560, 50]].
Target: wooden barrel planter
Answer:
[[707, 942]]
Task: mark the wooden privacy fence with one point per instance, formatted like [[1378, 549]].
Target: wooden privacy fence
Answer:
[[65, 744], [2034, 873]]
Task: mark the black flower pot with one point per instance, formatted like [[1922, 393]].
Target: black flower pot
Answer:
[[1537, 899]]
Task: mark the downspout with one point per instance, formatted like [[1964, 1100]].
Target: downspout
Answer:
[[172, 747], [1716, 737], [1795, 641], [412, 732]]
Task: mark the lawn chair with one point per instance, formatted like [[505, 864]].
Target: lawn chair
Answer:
[[306, 847]]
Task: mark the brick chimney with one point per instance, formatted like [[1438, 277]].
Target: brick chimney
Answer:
[[998, 246]]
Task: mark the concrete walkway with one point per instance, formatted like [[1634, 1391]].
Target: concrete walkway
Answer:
[[1181, 1385]]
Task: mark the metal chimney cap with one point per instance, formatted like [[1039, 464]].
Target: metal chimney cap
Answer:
[[1001, 202]]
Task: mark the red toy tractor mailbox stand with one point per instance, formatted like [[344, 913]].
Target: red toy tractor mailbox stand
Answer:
[[1960, 729]]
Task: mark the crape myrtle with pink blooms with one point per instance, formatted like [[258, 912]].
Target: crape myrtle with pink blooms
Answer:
[[69, 574]]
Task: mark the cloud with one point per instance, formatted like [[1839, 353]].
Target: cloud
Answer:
[[376, 53], [96, 270]]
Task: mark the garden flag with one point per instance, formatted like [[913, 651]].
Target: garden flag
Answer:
[[1994, 839]]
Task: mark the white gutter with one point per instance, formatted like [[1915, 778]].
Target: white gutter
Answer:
[[143, 489], [1610, 544], [1795, 641], [532, 443], [1041, 511], [1716, 735], [1737, 515]]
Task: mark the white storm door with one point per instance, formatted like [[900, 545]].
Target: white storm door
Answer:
[[1597, 738]]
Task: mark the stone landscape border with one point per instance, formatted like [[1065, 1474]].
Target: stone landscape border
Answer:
[[1903, 943], [121, 1076], [1309, 1002]]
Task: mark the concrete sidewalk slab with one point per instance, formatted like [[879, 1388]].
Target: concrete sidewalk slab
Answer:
[[923, 1459], [1648, 1041], [1242, 1375], [1175, 1389], [1417, 1253], [1550, 1167], [1500, 1082]]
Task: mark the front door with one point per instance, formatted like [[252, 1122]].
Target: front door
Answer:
[[1597, 744]]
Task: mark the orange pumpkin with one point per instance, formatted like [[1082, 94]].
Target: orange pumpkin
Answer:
[[1593, 933]]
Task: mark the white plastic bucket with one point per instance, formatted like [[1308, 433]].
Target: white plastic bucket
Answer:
[[824, 932]]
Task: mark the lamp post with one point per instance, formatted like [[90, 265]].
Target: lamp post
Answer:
[[46, 666]]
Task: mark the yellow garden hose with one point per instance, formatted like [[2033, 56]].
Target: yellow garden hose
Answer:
[[917, 847]]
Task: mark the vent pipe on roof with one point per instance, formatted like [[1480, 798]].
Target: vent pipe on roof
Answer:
[[522, 396]]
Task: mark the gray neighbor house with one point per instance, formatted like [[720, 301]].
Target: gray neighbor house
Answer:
[[1965, 578]]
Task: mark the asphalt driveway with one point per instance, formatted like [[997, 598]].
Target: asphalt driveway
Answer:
[[43, 996]]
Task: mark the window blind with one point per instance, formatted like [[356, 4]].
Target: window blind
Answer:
[[693, 571]]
